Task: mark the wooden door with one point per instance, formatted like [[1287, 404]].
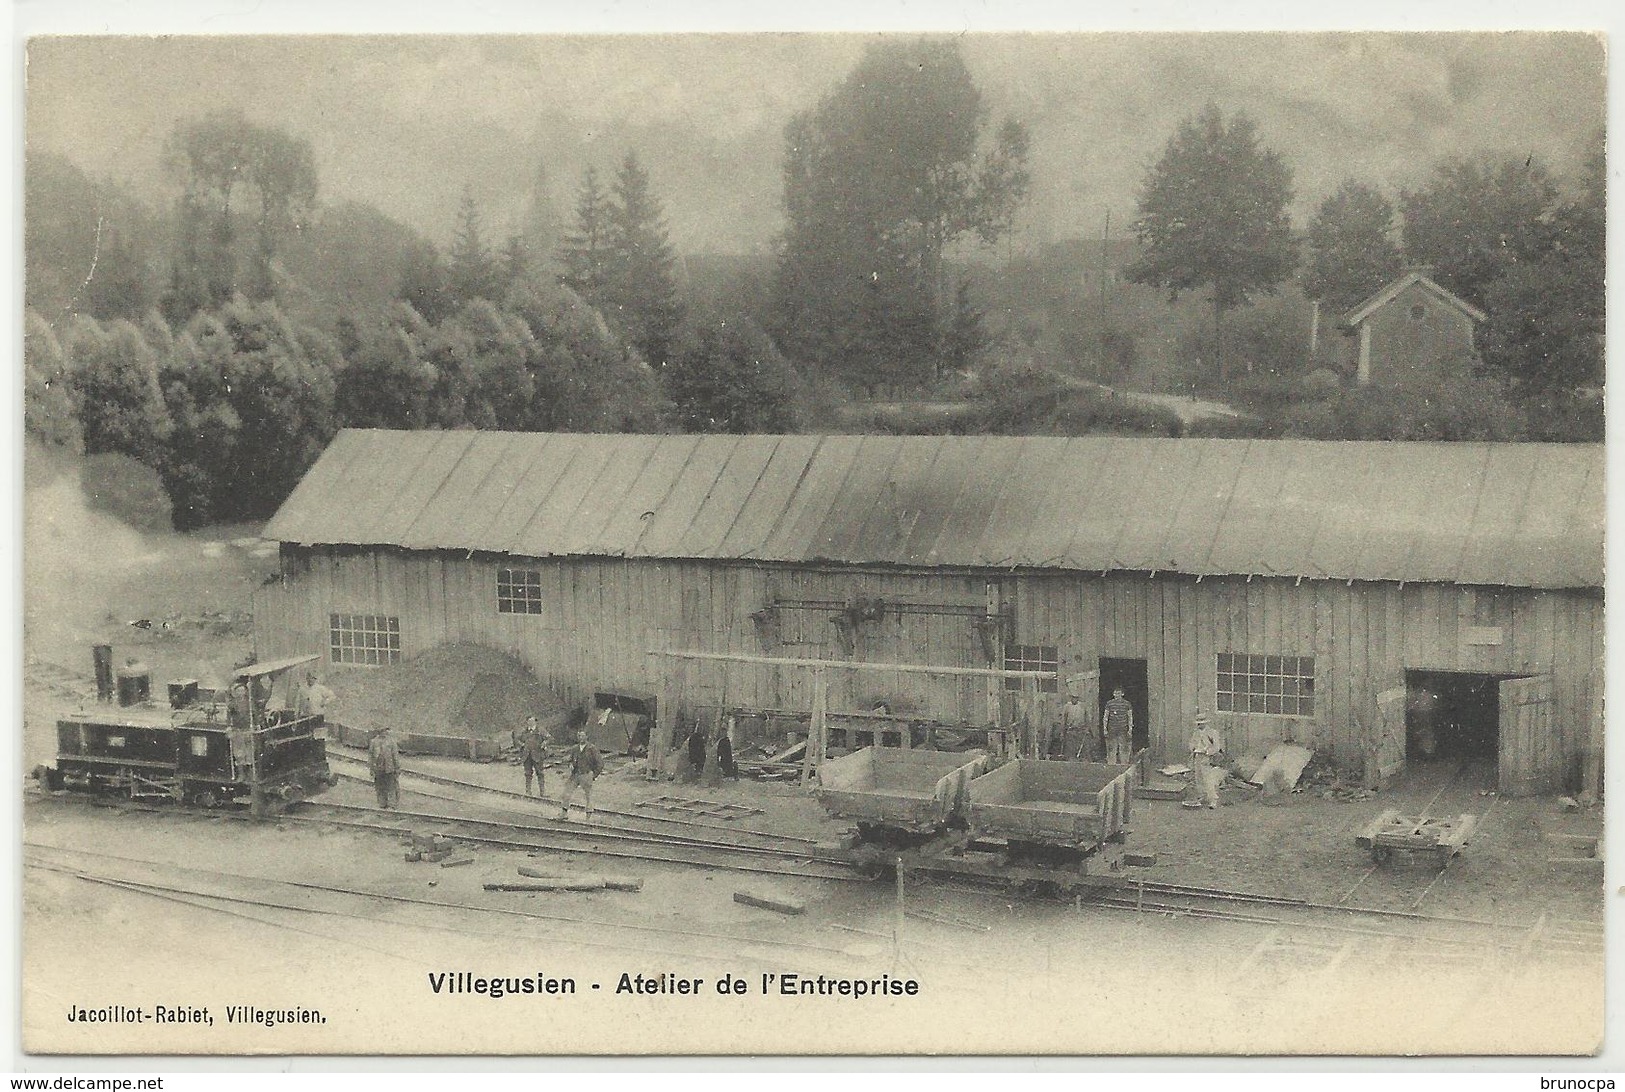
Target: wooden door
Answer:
[[1385, 749], [1529, 753]]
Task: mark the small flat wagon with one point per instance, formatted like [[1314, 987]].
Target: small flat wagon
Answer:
[[1441, 837]]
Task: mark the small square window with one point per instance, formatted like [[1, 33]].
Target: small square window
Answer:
[[519, 591]]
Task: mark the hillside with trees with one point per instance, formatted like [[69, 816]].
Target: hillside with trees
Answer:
[[219, 326]]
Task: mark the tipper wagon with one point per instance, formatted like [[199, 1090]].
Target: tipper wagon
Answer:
[[907, 791]]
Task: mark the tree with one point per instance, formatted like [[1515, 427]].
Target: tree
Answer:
[[584, 253], [282, 171], [115, 378], [728, 376], [1352, 252], [585, 380], [966, 338], [640, 290], [425, 283], [49, 413], [216, 160], [251, 397], [1476, 219], [387, 379], [473, 269], [541, 224], [1544, 332], [1213, 213], [880, 180]]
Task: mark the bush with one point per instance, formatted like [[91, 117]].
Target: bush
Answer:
[[1466, 409], [1320, 384]]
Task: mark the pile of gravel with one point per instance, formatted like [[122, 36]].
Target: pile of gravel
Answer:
[[454, 690]]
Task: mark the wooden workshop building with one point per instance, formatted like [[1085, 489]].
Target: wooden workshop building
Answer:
[[1378, 601]]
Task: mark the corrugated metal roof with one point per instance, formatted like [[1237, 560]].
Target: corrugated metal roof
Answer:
[[1525, 515]]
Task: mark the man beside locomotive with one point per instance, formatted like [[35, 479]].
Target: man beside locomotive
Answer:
[[384, 756]]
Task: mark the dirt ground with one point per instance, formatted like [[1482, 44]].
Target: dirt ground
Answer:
[[998, 975]]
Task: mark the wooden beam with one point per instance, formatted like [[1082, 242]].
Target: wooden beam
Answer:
[[853, 665]]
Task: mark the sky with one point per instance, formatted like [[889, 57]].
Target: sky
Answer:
[[406, 123]]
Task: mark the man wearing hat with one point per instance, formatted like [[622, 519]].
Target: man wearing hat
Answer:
[[1206, 747], [384, 755]]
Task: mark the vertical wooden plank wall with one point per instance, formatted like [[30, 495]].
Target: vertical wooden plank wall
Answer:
[[601, 615]]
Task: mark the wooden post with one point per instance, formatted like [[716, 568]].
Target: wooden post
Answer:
[[995, 687], [1029, 719], [897, 926], [814, 755]]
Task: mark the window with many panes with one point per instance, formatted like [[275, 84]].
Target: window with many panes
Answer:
[[1032, 658], [364, 638], [519, 591], [1266, 684]]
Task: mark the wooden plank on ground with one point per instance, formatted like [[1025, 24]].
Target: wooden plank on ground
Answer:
[[779, 904]]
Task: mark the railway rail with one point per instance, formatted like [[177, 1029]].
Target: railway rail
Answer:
[[621, 820], [576, 839], [200, 887]]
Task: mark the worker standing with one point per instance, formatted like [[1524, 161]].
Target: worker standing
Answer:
[[1117, 727], [1206, 747], [384, 755], [585, 766], [314, 700], [1078, 730], [532, 742]]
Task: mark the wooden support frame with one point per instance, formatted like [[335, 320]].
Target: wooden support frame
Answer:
[[817, 729]]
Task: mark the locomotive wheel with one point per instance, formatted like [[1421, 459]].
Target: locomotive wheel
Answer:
[[205, 798]]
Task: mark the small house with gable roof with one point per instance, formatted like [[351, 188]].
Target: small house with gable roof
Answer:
[[1410, 329]]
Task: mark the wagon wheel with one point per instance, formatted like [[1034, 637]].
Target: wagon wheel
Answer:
[[206, 798], [1381, 854]]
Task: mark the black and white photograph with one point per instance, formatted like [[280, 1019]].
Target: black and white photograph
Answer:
[[1043, 543]]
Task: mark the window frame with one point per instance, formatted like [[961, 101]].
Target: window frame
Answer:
[[1264, 684], [529, 599], [374, 639], [1033, 658]]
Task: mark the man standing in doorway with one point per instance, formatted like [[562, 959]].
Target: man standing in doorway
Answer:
[[384, 755], [585, 766], [1117, 726]]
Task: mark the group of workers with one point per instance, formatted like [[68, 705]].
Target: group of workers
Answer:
[[1110, 739], [706, 758], [585, 764], [1088, 739]]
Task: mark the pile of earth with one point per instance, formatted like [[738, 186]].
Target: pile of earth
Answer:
[[453, 690]]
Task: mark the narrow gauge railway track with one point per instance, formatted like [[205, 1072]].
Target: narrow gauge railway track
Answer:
[[597, 828], [648, 821], [296, 895], [577, 839]]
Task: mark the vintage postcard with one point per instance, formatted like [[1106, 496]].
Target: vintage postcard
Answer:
[[1046, 543]]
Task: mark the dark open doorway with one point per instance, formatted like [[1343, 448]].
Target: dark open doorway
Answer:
[[1131, 676], [1452, 714]]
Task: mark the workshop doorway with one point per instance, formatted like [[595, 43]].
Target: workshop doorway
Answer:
[[1453, 715], [1131, 676]]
